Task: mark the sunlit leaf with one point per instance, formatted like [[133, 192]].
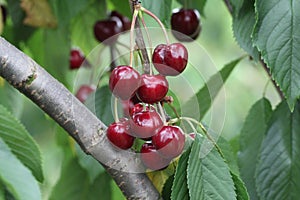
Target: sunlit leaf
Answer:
[[38, 13]]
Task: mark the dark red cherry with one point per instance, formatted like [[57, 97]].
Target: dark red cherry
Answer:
[[126, 23], [153, 88], [84, 91], [169, 141], [118, 134], [107, 31], [145, 124], [124, 81], [185, 24], [151, 158], [76, 59], [170, 60]]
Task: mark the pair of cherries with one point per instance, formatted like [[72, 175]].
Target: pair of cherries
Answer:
[[163, 142]]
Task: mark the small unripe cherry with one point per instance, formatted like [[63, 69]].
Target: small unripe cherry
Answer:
[[118, 134], [84, 91], [169, 141]]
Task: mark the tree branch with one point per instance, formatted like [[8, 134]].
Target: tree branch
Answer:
[[88, 131]]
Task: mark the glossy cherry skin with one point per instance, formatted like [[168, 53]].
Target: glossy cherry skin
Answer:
[[106, 31], [185, 24], [145, 124], [126, 23], [170, 60], [169, 141], [118, 134], [76, 59], [153, 88], [152, 159], [83, 92], [124, 81], [129, 106]]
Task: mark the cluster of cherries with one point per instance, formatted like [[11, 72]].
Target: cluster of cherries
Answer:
[[139, 92]]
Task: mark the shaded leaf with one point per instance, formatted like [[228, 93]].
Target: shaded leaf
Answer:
[[277, 36], [243, 25], [208, 177], [162, 9], [38, 13], [251, 137], [13, 133], [167, 189], [209, 91], [17, 178], [194, 4], [100, 104], [277, 172], [240, 188], [1, 22], [180, 186]]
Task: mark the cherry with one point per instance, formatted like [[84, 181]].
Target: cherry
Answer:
[[170, 60], [129, 106], [185, 24], [118, 134], [76, 59], [169, 141], [153, 88], [124, 81], [84, 91], [126, 23], [151, 158], [106, 31], [145, 124]]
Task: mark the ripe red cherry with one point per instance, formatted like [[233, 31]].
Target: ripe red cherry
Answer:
[[185, 24], [124, 81], [169, 141], [84, 91], [170, 60], [76, 59], [118, 134], [151, 158], [129, 106], [145, 124], [106, 31], [126, 23], [153, 88]]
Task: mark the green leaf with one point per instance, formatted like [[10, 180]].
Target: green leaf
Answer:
[[276, 35], [74, 184], [208, 177], [167, 189], [243, 24], [251, 137], [21, 143], [194, 4], [240, 188], [277, 172], [82, 34], [122, 7], [162, 9], [11, 99], [100, 103], [17, 178], [209, 91], [180, 186]]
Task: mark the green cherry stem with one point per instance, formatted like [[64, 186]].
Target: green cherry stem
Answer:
[[162, 113], [116, 117], [159, 22], [134, 17]]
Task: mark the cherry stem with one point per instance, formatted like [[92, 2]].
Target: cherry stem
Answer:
[[116, 117], [134, 17], [159, 22], [148, 37], [162, 113]]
